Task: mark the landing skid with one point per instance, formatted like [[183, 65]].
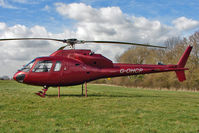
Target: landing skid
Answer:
[[42, 93]]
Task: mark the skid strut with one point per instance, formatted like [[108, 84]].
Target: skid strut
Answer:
[[42, 94], [85, 89], [58, 91], [82, 89]]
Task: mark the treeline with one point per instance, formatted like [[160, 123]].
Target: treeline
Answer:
[[175, 48]]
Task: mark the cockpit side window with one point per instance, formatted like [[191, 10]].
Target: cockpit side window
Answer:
[[57, 66], [42, 66]]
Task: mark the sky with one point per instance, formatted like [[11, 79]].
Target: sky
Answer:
[[139, 21]]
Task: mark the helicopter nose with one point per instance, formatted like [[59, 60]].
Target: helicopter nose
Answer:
[[19, 77]]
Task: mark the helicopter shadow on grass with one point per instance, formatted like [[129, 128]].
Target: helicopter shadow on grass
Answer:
[[123, 95], [104, 95], [117, 96]]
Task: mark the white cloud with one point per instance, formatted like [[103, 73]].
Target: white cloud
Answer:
[[14, 54], [85, 13], [20, 1], [27, 1], [76, 11], [2, 26], [5, 4], [112, 23], [183, 23], [46, 8]]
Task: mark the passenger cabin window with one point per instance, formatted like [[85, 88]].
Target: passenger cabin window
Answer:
[[57, 66], [42, 66]]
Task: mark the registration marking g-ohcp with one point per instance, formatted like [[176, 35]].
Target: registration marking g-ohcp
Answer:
[[129, 70]]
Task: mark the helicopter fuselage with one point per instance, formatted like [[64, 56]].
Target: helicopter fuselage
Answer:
[[73, 67]]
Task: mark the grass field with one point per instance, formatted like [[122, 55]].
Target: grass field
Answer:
[[106, 109]]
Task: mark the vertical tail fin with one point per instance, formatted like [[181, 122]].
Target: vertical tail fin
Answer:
[[183, 60], [181, 63]]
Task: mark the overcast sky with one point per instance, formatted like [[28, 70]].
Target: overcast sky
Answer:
[[140, 21]]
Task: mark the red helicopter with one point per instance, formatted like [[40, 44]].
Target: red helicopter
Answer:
[[73, 67]]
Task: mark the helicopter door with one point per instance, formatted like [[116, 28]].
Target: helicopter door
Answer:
[[40, 73], [65, 73], [56, 73]]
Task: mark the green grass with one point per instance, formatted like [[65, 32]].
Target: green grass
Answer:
[[106, 109]]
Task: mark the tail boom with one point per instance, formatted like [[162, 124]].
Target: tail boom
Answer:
[[120, 69]]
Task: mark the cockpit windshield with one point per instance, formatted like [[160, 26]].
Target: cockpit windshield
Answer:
[[27, 67]]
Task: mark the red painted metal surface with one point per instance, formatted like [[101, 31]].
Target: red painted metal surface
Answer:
[[85, 89], [81, 66], [58, 91]]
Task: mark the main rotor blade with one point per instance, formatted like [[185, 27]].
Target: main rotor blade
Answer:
[[51, 39], [127, 43], [74, 41]]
